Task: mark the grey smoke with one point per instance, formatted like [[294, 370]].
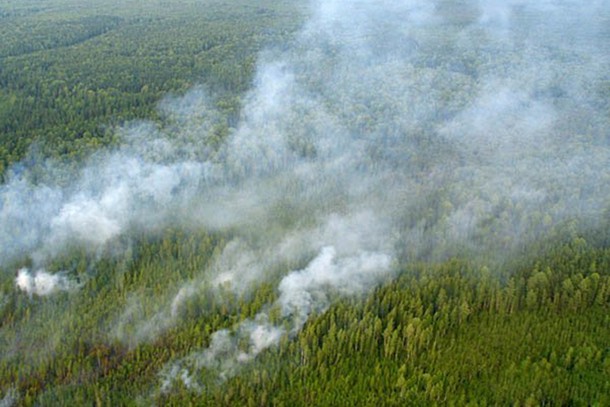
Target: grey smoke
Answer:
[[390, 94], [387, 132], [463, 127]]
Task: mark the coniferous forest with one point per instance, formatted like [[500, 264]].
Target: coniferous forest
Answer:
[[285, 203]]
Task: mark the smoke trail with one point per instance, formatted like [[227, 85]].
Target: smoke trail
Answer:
[[302, 292]]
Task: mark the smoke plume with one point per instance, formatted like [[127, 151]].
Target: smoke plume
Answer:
[[302, 292], [42, 283], [456, 130], [385, 132]]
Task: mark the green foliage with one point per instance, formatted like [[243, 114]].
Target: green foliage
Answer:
[[532, 333], [68, 77], [449, 333]]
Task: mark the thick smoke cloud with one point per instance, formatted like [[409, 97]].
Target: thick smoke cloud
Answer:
[[464, 126], [387, 131]]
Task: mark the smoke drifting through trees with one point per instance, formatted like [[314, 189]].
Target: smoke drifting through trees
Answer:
[[386, 131], [42, 283], [461, 134]]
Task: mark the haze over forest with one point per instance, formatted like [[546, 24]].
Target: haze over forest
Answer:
[[191, 187]]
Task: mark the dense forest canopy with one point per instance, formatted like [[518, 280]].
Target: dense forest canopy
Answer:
[[343, 202], [71, 72]]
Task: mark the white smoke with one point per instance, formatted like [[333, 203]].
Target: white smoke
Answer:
[[302, 292], [389, 94], [445, 153], [387, 131], [42, 283], [227, 352], [306, 291]]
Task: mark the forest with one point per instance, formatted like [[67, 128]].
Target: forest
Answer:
[[345, 202]]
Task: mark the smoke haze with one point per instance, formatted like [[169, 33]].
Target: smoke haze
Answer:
[[386, 132], [454, 130]]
